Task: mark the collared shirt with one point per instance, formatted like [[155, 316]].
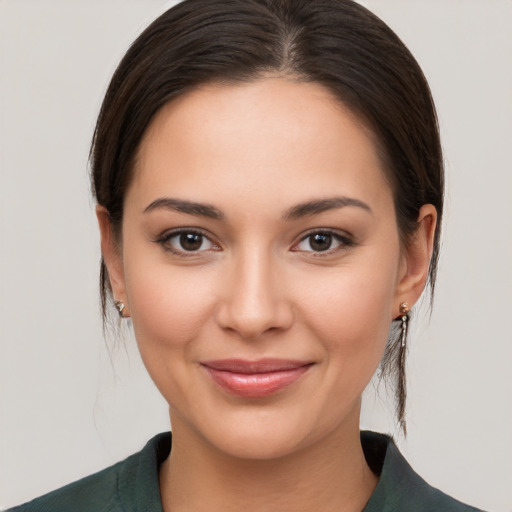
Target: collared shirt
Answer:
[[132, 484]]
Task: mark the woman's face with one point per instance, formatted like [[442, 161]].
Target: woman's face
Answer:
[[260, 263]]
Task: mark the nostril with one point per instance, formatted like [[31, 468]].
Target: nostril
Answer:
[[251, 323]]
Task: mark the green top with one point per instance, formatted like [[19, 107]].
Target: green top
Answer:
[[132, 484]]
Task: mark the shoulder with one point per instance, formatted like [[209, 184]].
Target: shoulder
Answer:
[[400, 487], [117, 488], [95, 492]]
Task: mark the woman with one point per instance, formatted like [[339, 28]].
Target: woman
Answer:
[[269, 185]]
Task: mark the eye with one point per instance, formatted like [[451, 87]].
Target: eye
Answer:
[[186, 241], [322, 241]]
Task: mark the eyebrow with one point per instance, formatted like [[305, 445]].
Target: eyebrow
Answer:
[[296, 212], [183, 206], [322, 205]]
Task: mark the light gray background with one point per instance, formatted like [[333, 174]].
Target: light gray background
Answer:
[[66, 410]]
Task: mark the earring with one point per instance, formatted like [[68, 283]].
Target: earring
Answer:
[[404, 312], [120, 307], [402, 384]]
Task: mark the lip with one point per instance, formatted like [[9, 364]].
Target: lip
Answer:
[[255, 379]]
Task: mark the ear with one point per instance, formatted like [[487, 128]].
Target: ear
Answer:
[[111, 253], [416, 259]]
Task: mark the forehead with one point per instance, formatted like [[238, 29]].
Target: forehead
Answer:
[[275, 136]]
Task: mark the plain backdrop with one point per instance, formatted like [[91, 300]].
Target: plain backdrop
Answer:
[[68, 408]]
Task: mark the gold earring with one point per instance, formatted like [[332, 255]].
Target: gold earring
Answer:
[[120, 307], [404, 312]]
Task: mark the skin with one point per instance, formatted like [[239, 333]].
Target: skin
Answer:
[[257, 288]]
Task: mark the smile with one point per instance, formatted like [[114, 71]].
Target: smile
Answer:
[[255, 379]]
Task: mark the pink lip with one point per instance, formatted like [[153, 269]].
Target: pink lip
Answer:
[[255, 379]]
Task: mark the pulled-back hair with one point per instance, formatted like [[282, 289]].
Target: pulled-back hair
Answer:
[[336, 43]]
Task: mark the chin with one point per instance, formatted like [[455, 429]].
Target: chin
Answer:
[[258, 444], [267, 434]]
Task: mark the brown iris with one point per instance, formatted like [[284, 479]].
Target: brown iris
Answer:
[[191, 241], [320, 241]]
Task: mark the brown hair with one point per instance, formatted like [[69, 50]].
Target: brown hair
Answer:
[[337, 43]]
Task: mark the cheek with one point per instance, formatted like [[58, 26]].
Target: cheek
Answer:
[[168, 305], [350, 310], [353, 327]]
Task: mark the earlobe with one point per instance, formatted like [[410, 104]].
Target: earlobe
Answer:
[[416, 262], [111, 254]]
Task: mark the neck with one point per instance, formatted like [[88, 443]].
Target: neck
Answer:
[[331, 475]]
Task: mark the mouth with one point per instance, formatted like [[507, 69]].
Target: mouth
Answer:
[[255, 379]]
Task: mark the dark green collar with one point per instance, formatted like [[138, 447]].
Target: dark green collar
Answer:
[[399, 489]]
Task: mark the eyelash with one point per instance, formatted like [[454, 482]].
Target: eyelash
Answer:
[[164, 241], [345, 241]]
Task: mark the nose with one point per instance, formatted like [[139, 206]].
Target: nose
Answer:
[[254, 299]]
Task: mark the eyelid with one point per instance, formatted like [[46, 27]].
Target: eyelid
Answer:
[[345, 240], [167, 235]]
